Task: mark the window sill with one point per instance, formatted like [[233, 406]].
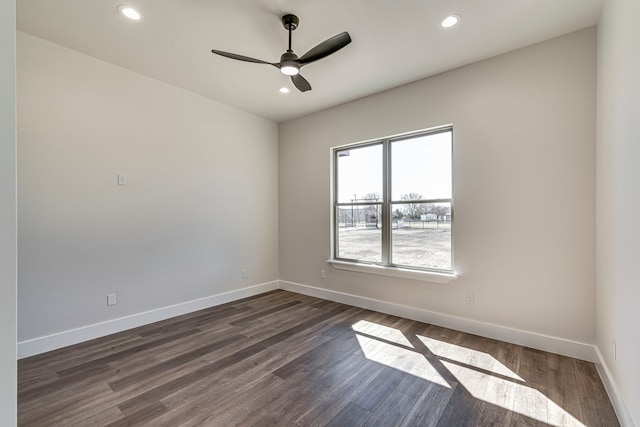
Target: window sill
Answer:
[[404, 273]]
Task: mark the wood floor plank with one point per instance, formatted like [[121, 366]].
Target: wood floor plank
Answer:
[[392, 411], [322, 411], [272, 409], [237, 407], [531, 404], [564, 403], [588, 381], [90, 365], [140, 402], [596, 406], [200, 402], [63, 405], [203, 317], [61, 385], [598, 412], [378, 389], [430, 405], [492, 415], [108, 416], [413, 386], [352, 415], [461, 409], [161, 368], [285, 359], [309, 385], [332, 352], [267, 361], [260, 314], [144, 416], [67, 355]]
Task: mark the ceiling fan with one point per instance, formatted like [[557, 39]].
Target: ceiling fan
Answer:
[[289, 63]]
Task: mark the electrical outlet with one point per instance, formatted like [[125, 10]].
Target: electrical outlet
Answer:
[[111, 299], [470, 299], [244, 273], [322, 275]]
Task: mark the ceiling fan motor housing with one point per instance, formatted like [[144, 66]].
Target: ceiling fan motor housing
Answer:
[[288, 56]]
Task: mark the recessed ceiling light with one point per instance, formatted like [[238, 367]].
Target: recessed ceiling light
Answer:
[[284, 90], [449, 21], [129, 12]]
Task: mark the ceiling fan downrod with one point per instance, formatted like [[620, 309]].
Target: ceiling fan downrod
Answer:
[[290, 22]]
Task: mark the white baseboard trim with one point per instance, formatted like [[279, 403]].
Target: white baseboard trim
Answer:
[[612, 390], [548, 343], [74, 336]]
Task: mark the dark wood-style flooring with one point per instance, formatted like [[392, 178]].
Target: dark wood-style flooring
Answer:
[[286, 359]]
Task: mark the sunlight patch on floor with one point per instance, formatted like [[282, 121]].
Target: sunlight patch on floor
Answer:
[[400, 358], [512, 396], [481, 374], [383, 332], [468, 356]]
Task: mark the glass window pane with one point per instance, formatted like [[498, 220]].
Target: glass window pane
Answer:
[[359, 174], [421, 235], [360, 232], [421, 167]]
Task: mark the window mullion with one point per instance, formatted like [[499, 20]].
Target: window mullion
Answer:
[[386, 206], [334, 191]]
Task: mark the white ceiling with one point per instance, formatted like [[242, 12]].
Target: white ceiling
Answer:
[[394, 42]]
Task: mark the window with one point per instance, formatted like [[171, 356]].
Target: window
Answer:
[[393, 202]]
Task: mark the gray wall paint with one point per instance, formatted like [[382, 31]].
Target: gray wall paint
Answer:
[[200, 204], [7, 214], [618, 197], [523, 186]]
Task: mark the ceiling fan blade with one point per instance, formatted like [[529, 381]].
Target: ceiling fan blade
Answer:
[[301, 83], [326, 48], [239, 57]]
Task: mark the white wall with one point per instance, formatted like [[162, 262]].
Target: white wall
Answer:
[[7, 214], [523, 186], [200, 204], [618, 197]]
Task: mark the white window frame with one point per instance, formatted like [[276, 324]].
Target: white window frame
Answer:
[[386, 267]]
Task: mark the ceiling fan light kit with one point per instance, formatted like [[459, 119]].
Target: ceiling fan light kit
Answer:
[[290, 64]]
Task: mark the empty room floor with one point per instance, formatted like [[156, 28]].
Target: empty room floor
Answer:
[[286, 359]]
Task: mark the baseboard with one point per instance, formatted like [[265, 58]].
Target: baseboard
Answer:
[[529, 339], [74, 336], [525, 338], [612, 390]]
